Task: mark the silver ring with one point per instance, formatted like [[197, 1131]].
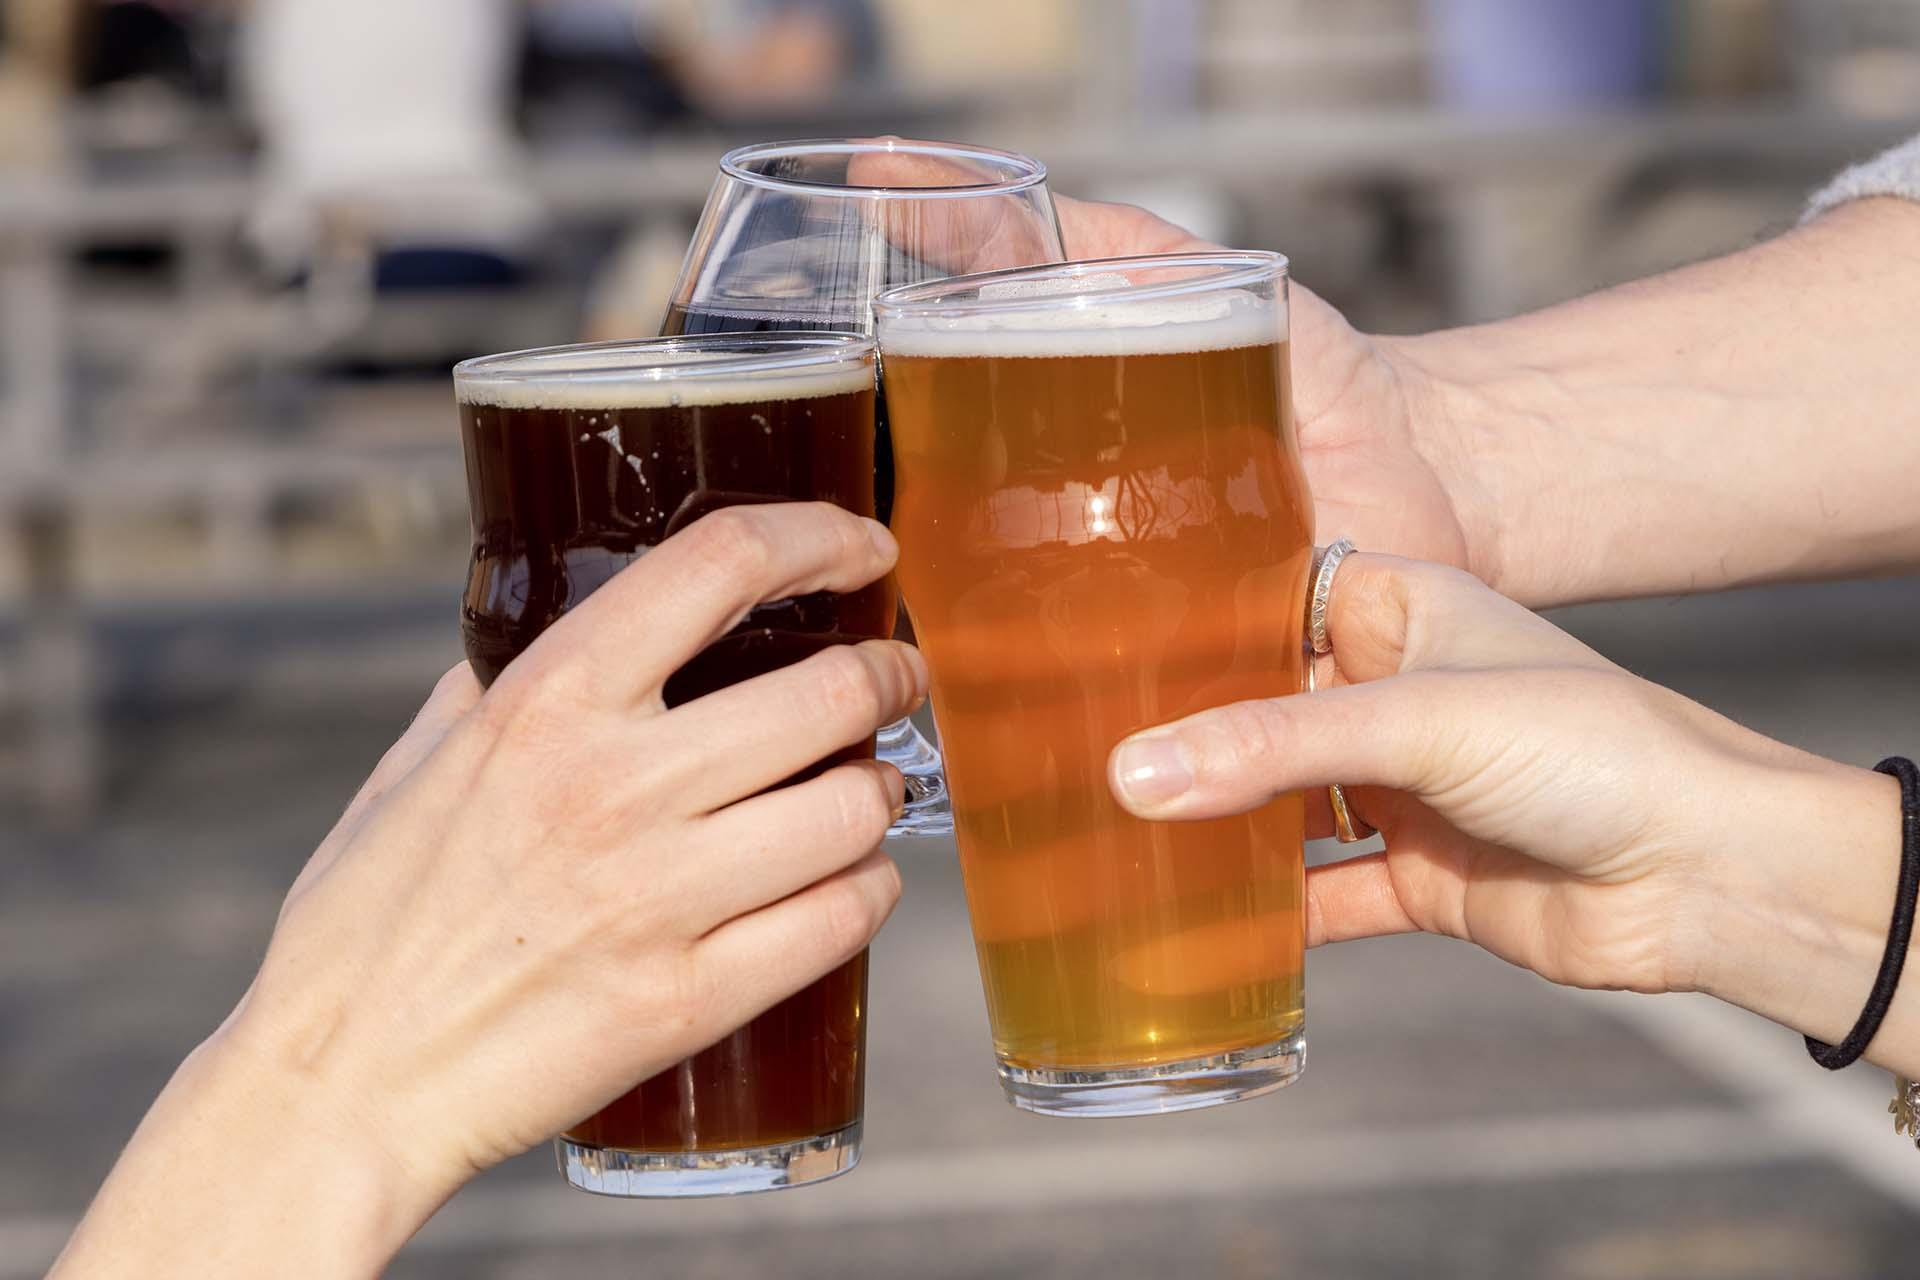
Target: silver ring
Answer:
[[1347, 825], [1323, 592]]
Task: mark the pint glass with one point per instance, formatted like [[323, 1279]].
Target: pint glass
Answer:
[[1104, 526], [578, 460]]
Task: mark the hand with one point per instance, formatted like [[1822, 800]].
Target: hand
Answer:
[[549, 892], [1382, 461], [1539, 801], [1384, 468]]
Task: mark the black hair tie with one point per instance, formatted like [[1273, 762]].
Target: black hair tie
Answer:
[[1887, 981]]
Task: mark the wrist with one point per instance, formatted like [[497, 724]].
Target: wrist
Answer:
[[241, 1165], [1798, 924], [1743, 420], [359, 1177], [1467, 431]]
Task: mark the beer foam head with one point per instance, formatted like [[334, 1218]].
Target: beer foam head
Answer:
[[1103, 323], [638, 378]]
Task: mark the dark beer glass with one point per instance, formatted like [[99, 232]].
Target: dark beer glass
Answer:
[[802, 235], [578, 460]]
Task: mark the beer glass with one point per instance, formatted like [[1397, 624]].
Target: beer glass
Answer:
[[802, 235], [1104, 526], [578, 460]]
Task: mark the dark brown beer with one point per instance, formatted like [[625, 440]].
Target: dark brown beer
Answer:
[[571, 481], [774, 319]]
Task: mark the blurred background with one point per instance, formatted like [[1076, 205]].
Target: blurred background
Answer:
[[241, 241]]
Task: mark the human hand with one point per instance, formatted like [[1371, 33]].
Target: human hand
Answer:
[[1381, 460], [543, 895], [1541, 802]]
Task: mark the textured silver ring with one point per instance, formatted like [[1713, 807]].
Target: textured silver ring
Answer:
[[1348, 826], [1323, 592]]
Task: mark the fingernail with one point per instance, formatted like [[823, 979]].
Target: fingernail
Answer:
[[1152, 770], [883, 540]]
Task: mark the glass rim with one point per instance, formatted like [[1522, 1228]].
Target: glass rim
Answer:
[[1028, 172], [1235, 268], [751, 354]]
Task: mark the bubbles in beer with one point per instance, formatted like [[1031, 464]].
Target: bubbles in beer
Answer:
[[1105, 324], [604, 381]]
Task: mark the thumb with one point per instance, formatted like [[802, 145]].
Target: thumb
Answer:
[[1399, 732]]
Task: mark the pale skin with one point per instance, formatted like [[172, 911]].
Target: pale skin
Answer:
[[1744, 420], [1535, 799], [558, 862], [1750, 419]]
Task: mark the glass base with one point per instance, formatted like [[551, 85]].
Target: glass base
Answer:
[[610, 1171], [1186, 1085], [928, 813]]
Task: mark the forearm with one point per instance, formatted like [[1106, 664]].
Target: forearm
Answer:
[[1749, 419], [1799, 923], [237, 1172]]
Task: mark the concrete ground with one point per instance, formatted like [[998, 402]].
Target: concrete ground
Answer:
[[1458, 1118]]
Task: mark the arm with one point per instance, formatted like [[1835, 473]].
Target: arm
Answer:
[[1749, 419], [561, 862], [1561, 813], [245, 1169], [1754, 418]]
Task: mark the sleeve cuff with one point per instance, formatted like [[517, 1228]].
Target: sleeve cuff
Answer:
[[1891, 173]]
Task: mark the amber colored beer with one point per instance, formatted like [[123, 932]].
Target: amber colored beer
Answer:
[[571, 480], [1103, 531]]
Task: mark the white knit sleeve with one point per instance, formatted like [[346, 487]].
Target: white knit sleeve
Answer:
[[1895, 172]]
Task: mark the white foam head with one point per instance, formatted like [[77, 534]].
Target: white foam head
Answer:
[[1102, 324], [590, 379]]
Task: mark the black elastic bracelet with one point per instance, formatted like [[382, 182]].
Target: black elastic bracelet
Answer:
[[1835, 1056]]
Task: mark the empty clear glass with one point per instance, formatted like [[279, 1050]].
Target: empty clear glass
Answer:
[[803, 235]]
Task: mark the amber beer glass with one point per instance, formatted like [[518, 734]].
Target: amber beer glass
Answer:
[[578, 460], [1104, 526]]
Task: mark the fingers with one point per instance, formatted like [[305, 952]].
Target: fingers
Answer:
[[624, 640], [1388, 615], [1436, 631], [758, 960], [768, 847], [747, 737], [1096, 229], [1354, 899], [910, 169], [983, 233], [1398, 733]]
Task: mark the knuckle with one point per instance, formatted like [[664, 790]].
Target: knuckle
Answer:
[[851, 542], [738, 540], [1247, 732], [863, 809], [850, 684], [458, 681], [536, 706], [1425, 592], [1443, 580], [850, 914]]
